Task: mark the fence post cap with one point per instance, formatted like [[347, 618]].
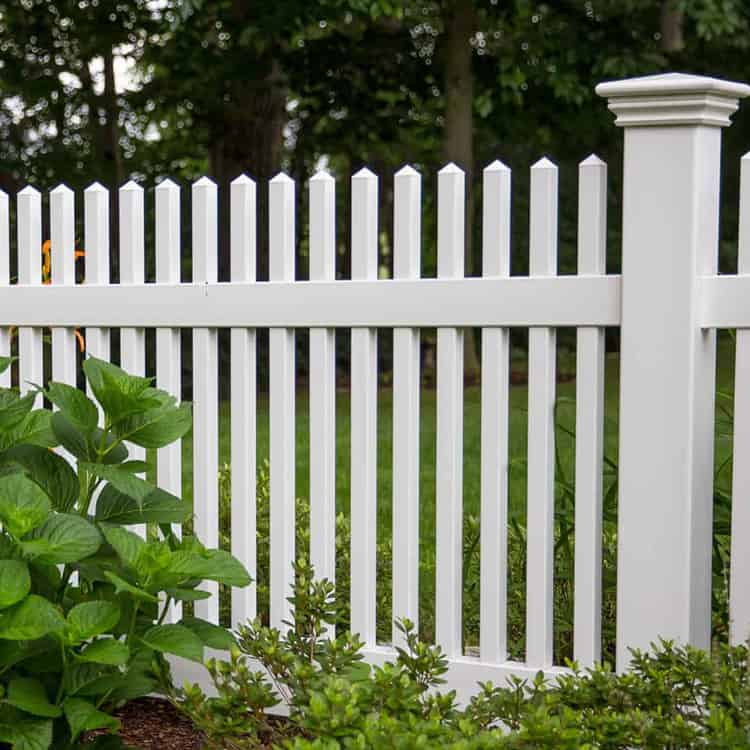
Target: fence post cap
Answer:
[[672, 99]]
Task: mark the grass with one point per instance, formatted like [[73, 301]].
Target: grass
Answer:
[[471, 469], [472, 412], [471, 476]]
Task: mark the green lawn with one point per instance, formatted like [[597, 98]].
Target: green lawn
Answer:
[[472, 411]]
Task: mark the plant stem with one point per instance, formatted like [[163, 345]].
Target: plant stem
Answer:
[[133, 617], [164, 610], [62, 679]]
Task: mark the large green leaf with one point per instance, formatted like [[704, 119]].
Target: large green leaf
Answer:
[[14, 652], [106, 651], [187, 595], [50, 471], [32, 618], [122, 686], [23, 504], [14, 408], [78, 678], [211, 565], [126, 544], [29, 695], [159, 426], [174, 639], [45, 578], [84, 716], [73, 403], [122, 480], [121, 395], [33, 429], [158, 506], [15, 582], [70, 437], [27, 734], [124, 587], [211, 635], [93, 618], [63, 538]]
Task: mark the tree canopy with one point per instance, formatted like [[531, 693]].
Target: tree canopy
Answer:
[[108, 90]]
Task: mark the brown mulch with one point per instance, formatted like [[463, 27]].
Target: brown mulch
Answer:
[[154, 724]]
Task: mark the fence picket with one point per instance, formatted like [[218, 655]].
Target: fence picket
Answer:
[[281, 405], [407, 215], [62, 251], [5, 347], [541, 427], [168, 363], [243, 396], [364, 425], [206, 388], [132, 259], [450, 395], [494, 426], [592, 259], [96, 247], [30, 352], [323, 385], [739, 574]]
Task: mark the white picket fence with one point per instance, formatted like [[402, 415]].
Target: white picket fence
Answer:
[[668, 303]]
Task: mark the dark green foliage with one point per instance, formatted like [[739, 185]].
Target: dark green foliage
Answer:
[[673, 698], [82, 599]]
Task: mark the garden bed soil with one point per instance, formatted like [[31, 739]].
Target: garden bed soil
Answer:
[[154, 724]]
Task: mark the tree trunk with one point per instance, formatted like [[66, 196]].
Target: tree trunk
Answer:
[[672, 26], [458, 147], [111, 141], [250, 139], [111, 154]]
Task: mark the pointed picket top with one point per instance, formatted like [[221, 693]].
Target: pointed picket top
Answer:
[[28, 190], [364, 174], [167, 184], [544, 163], [592, 161], [95, 187], [746, 157], [282, 178], [131, 186], [451, 168], [61, 189], [322, 175], [242, 179], [3, 194], [407, 171], [204, 183], [496, 166]]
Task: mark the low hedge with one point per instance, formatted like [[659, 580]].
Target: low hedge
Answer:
[[673, 697]]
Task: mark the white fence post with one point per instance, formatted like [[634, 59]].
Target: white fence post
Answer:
[[667, 369]]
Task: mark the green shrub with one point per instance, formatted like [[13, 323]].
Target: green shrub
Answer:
[[83, 600], [564, 562], [672, 698], [516, 576]]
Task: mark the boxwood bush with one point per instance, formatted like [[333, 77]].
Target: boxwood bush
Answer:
[[673, 697], [83, 599]]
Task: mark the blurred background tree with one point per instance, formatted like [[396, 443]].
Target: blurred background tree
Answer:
[[114, 89]]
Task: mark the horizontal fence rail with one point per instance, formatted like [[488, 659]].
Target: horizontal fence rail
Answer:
[[517, 301]]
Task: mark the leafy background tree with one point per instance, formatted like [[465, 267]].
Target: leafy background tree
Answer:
[[107, 90]]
